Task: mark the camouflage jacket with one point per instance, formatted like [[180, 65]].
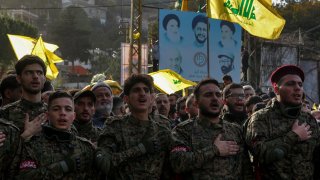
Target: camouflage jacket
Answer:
[[9, 148], [277, 148], [15, 112], [42, 154], [161, 120], [87, 130], [195, 156], [233, 117], [120, 154]]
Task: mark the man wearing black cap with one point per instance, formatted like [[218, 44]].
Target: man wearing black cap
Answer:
[[282, 137], [84, 108]]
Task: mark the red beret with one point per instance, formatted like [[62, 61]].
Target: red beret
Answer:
[[284, 70]]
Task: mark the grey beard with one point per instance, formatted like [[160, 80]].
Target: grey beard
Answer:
[[106, 109]]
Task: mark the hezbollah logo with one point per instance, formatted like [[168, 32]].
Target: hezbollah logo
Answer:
[[200, 59], [244, 9]]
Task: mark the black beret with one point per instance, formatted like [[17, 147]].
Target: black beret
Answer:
[[285, 70], [84, 93]]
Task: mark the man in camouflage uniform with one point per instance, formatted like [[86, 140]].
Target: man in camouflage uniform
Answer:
[[281, 136], [31, 72], [56, 153], [208, 147], [234, 98], [31, 75], [133, 146], [9, 141], [84, 108]]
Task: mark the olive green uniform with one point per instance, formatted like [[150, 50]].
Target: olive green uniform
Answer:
[[277, 149], [87, 130], [15, 112], [194, 155], [121, 153], [9, 148], [56, 154]]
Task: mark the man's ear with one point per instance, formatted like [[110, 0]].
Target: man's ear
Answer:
[[18, 79], [125, 99], [7, 93], [276, 89]]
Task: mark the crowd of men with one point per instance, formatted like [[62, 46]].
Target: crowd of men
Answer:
[[229, 133]]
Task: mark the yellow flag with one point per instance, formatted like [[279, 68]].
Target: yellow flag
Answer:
[[172, 80], [40, 51], [184, 5], [23, 45], [255, 16]]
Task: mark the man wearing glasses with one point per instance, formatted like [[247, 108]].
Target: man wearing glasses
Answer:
[[234, 100]]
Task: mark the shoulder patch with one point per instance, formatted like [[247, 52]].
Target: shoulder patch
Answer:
[[28, 164]]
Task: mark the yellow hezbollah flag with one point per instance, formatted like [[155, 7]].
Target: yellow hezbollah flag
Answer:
[[255, 16], [47, 56], [23, 45], [169, 81]]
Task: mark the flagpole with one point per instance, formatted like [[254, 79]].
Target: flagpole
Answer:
[[208, 48]]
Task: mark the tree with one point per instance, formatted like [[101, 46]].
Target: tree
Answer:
[[10, 26], [72, 33], [302, 15]]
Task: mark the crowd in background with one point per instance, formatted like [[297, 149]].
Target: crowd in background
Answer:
[[220, 131]]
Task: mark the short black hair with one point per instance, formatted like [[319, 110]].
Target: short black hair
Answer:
[[197, 19], [253, 100], [59, 94], [175, 95], [227, 77], [137, 78], [229, 24], [227, 90], [8, 82], [47, 86], [202, 83], [167, 18], [258, 106], [28, 60]]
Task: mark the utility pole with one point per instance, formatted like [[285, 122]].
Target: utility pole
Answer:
[[135, 37]]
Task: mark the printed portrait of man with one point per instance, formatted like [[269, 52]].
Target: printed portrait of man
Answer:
[[199, 27], [226, 62]]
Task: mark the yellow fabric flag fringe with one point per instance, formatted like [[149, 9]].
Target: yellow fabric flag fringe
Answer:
[[255, 16], [172, 80]]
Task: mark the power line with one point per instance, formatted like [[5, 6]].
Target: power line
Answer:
[[84, 7]]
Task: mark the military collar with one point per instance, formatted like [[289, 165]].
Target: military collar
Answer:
[[27, 103], [58, 135], [292, 112], [207, 123], [83, 125], [136, 121]]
